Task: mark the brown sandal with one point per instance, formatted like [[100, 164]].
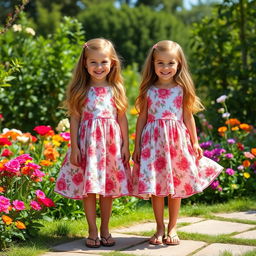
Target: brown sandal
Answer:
[[104, 241], [95, 245]]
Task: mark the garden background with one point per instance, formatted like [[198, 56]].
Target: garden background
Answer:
[[40, 42]]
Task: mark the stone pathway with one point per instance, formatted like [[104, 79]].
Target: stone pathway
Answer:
[[129, 240]]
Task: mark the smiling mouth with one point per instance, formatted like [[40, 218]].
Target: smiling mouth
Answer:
[[165, 74], [98, 73]]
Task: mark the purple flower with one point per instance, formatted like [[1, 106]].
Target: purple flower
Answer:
[[229, 155], [208, 153], [240, 167], [230, 171], [231, 141], [215, 184], [217, 145], [206, 144], [218, 151], [219, 188]]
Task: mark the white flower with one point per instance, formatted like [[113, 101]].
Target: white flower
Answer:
[[23, 139], [16, 28], [222, 99], [226, 115], [5, 130], [30, 31], [63, 125], [221, 110]]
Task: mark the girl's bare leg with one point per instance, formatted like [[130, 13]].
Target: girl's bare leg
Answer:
[[174, 207], [158, 207], [90, 213]]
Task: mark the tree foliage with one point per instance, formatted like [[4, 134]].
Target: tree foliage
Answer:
[[224, 56]]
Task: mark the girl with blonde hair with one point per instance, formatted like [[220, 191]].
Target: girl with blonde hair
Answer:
[[97, 163], [168, 159]]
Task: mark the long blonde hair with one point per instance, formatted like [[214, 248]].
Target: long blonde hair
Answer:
[[183, 78], [79, 84]]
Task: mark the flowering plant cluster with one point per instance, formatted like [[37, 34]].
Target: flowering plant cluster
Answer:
[[25, 162], [233, 149]]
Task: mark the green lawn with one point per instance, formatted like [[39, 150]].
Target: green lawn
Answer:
[[61, 231]]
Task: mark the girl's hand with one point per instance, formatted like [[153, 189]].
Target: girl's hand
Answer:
[[125, 154], [198, 150], [75, 157], [136, 156]]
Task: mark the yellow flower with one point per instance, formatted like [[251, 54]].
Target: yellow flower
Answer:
[[45, 163], [6, 219], [222, 129], [133, 111], [1, 189], [247, 175], [235, 128], [234, 186], [132, 136], [21, 152], [245, 127], [20, 225]]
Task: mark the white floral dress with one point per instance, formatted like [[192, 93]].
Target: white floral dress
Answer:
[[101, 170], [168, 165]]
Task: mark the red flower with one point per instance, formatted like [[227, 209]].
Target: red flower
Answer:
[[77, 178], [142, 187], [163, 93], [111, 132], [156, 133], [151, 118], [145, 154], [209, 171], [5, 141], [149, 101], [46, 202], [173, 152], [88, 115], [120, 176], [100, 91], [188, 189], [88, 185], [1, 117], [109, 185], [183, 164], [160, 164], [112, 149], [167, 114], [6, 152], [176, 181], [42, 129], [158, 188], [178, 102], [145, 138], [61, 184], [98, 133]]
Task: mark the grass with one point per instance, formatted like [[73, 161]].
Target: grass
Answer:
[[61, 231]]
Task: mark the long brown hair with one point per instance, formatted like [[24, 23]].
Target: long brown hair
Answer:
[[182, 77], [79, 84]]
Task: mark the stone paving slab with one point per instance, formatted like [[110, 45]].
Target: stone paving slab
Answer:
[[248, 215], [247, 235], [122, 242], [68, 254], [186, 247], [215, 227], [152, 225], [217, 248]]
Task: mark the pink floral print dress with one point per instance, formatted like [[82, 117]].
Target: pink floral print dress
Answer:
[[168, 165], [101, 170]]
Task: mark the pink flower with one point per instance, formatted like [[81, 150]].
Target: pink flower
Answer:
[[209, 171], [88, 185], [156, 133], [35, 205], [176, 181], [142, 187], [100, 91], [38, 173], [23, 158], [145, 138], [6, 152], [145, 154], [65, 135], [230, 171], [163, 93], [13, 166], [120, 176], [5, 142], [151, 118], [18, 205], [109, 185], [78, 178], [173, 152], [98, 133], [178, 102], [112, 149], [61, 184], [88, 115], [42, 129], [183, 164], [188, 188], [160, 164], [149, 102], [4, 204], [40, 194], [167, 115], [249, 155], [46, 202]]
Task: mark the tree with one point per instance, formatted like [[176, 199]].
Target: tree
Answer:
[[224, 56], [166, 5]]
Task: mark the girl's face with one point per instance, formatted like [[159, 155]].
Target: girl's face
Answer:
[[98, 65], [166, 66]]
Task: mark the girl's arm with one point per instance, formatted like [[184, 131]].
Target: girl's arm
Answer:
[[191, 126], [75, 157], [123, 123], [141, 122]]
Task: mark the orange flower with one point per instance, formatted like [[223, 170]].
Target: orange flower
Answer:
[[20, 225], [26, 170], [253, 151], [51, 154], [232, 122], [132, 136], [1, 189], [45, 163], [6, 219], [246, 163], [222, 129], [245, 127], [235, 128], [51, 179], [11, 134]]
